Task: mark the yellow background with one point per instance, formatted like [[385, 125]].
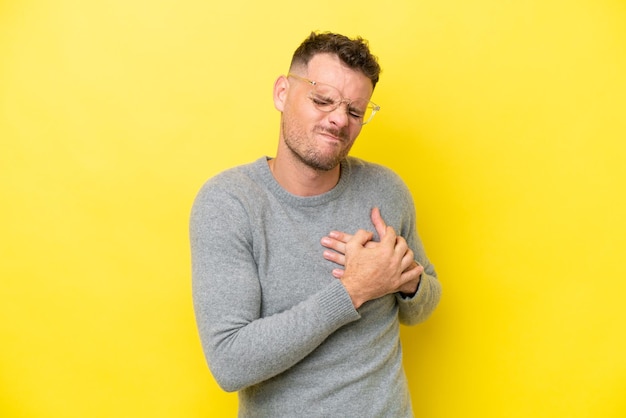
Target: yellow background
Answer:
[[506, 119]]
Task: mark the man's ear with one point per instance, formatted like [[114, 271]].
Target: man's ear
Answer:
[[281, 87]]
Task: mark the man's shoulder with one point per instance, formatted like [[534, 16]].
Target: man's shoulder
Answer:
[[244, 174], [245, 169], [242, 180], [371, 171]]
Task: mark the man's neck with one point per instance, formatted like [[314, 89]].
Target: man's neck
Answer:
[[301, 180]]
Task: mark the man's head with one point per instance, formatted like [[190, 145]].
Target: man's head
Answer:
[[354, 53], [325, 99]]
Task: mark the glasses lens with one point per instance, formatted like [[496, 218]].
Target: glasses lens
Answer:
[[327, 98], [361, 109]]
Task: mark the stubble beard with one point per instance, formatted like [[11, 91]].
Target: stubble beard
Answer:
[[308, 154]]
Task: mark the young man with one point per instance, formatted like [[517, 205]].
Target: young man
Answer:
[[305, 264]]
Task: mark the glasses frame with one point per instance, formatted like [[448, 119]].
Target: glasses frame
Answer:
[[375, 108]]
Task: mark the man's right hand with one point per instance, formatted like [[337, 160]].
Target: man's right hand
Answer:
[[373, 269]]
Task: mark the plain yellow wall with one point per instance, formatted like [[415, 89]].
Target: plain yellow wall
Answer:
[[506, 119]]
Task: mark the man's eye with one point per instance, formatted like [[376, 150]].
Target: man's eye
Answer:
[[356, 113], [322, 101]]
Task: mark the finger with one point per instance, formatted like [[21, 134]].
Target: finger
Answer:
[[338, 273], [412, 266], [389, 238], [334, 244], [408, 261], [379, 223], [401, 247], [419, 269], [361, 238], [410, 287], [412, 275], [340, 236], [335, 257]]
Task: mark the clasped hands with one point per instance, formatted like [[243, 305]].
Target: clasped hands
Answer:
[[372, 269]]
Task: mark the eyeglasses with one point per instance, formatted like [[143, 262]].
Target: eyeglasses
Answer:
[[327, 98]]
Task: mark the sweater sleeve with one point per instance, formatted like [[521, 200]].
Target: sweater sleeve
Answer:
[[419, 307], [241, 347]]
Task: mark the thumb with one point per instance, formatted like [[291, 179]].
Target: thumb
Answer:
[[389, 238], [379, 223]]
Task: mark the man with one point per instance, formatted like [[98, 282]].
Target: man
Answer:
[[305, 264]]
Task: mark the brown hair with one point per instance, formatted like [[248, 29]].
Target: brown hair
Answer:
[[354, 53]]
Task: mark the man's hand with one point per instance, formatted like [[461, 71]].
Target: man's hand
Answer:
[[373, 269]]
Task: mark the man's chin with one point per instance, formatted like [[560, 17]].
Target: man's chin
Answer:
[[321, 164]]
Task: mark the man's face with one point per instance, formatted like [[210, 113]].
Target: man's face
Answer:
[[322, 139]]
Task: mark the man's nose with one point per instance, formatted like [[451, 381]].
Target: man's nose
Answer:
[[340, 116]]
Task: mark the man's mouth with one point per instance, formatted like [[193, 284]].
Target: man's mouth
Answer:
[[334, 133]]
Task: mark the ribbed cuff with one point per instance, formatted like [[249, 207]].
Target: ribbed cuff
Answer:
[[336, 305]]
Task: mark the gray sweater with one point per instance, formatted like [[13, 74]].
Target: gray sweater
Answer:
[[274, 323]]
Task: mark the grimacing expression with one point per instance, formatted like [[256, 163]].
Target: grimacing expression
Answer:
[[321, 139]]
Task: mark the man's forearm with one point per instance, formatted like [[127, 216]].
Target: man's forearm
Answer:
[[242, 354]]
